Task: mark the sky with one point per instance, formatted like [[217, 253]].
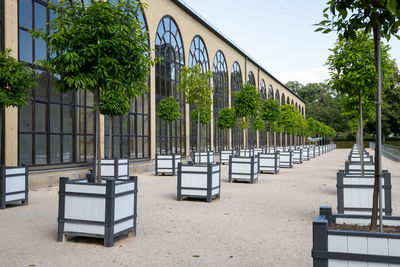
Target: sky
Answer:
[[279, 35]]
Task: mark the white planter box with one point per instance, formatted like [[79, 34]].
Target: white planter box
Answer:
[[269, 162], [256, 151], [115, 168], [286, 159], [298, 156], [13, 185], [243, 169], [353, 248], [354, 193], [355, 167], [224, 156], [246, 153], [199, 181], [105, 210], [167, 164], [317, 151], [306, 153], [205, 157], [312, 152]]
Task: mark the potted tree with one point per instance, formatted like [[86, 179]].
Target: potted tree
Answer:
[[201, 180], [373, 247], [258, 125], [15, 81], [108, 55], [287, 122], [297, 151], [226, 120], [270, 160], [247, 103], [168, 110]]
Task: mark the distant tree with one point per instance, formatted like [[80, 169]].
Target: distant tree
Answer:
[[168, 110], [288, 119]]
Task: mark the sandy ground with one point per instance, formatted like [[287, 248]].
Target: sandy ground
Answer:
[[265, 224]]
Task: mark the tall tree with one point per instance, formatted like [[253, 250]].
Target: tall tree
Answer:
[[382, 17], [16, 80], [101, 48], [197, 90], [270, 112], [247, 104], [168, 110], [226, 118]]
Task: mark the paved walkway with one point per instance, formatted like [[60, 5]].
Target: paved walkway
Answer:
[[265, 224]]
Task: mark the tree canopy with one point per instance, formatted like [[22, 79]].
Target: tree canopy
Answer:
[[101, 48], [169, 109], [247, 102], [227, 118], [16, 80]]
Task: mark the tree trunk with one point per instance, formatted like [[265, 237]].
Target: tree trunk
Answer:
[[98, 152], [361, 135], [378, 163], [198, 135], [270, 133], [110, 148], [168, 143]]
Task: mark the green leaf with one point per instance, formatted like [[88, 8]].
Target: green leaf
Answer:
[[392, 6]]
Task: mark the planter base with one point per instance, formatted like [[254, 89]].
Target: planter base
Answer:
[[105, 210], [199, 181], [269, 162], [13, 185], [167, 164], [243, 169]]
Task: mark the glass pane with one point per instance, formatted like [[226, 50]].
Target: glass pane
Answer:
[[80, 120], [90, 121], [40, 49], [146, 126], [54, 95], [117, 125], [40, 149], [40, 117], [67, 119], [140, 147], [25, 118], [125, 125], [146, 147], [117, 146], [55, 149], [139, 125], [25, 46], [55, 118], [67, 148], [80, 148], [25, 149], [89, 99], [80, 97], [125, 147], [25, 14], [41, 90], [90, 147], [132, 147]]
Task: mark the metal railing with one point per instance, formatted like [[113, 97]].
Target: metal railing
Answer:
[[391, 152]]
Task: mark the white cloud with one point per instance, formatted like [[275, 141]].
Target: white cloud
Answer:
[[305, 76]]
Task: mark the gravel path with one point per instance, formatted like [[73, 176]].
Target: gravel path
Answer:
[[265, 224]]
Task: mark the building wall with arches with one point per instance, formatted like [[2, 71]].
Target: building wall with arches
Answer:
[[189, 25]]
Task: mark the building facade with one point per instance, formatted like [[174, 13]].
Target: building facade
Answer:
[[54, 134]]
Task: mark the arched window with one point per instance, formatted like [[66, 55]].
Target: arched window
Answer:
[[302, 111], [198, 56], [169, 48], [292, 103], [296, 105], [236, 77], [236, 83], [283, 99], [288, 101], [263, 90], [221, 94], [270, 92], [277, 95], [251, 79], [130, 136]]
